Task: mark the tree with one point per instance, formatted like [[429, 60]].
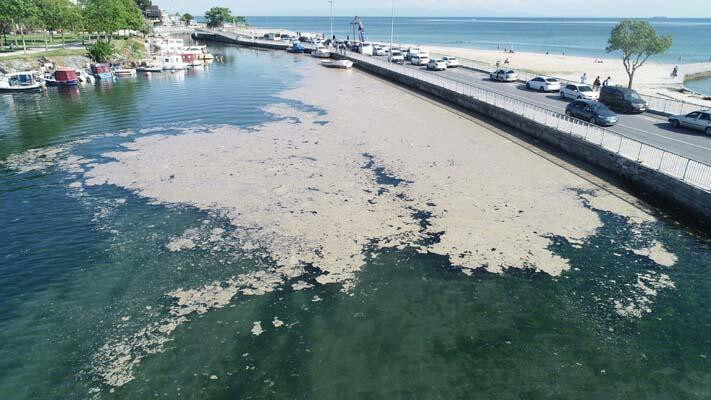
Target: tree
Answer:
[[218, 16], [144, 5], [60, 16], [638, 41], [18, 13], [240, 20], [109, 16], [186, 18]]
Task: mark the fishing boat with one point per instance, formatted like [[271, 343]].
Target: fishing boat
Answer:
[[342, 64], [200, 52], [102, 71], [85, 77], [63, 77], [321, 52], [149, 68], [191, 59], [173, 63], [21, 82], [296, 47], [124, 71]]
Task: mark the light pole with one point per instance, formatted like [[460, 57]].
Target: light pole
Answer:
[[331, 2], [392, 28]]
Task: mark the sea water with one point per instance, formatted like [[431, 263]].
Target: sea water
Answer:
[[574, 36], [81, 267]]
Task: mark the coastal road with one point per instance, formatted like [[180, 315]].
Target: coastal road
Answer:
[[648, 128]]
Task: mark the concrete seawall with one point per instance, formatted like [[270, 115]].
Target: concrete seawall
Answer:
[[231, 38], [655, 186]]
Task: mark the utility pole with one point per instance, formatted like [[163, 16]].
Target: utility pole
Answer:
[[331, 2], [392, 28]]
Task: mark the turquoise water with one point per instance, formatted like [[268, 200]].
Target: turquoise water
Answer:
[[700, 85], [81, 268], [574, 36]]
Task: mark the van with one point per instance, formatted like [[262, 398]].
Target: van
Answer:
[[622, 99]]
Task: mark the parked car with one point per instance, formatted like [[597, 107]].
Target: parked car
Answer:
[[622, 99], [419, 59], [396, 57], [451, 62], [436, 64], [504, 75], [699, 120], [591, 111], [411, 51], [380, 50], [544, 84], [578, 91]]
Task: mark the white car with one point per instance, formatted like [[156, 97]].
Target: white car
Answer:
[[436, 64], [412, 51], [380, 50], [419, 59], [579, 91], [699, 120], [396, 57], [504, 75], [544, 84], [451, 62]]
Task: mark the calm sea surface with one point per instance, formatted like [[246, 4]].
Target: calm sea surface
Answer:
[[77, 269], [574, 36]]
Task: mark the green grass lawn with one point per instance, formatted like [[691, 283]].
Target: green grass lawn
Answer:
[[48, 54]]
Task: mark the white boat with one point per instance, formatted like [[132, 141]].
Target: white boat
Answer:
[[321, 52], [21, 82], [173, 63], [200, 52], [343, 64], [124, 72]]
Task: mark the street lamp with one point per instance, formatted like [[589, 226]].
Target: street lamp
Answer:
[[331, 3], [392, 28]]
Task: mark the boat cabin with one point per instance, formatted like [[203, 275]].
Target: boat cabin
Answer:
[[188, 58], [65, 75], [101, 68]]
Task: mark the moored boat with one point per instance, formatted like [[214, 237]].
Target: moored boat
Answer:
[[342, 64], [296, 47], [124, 71], [321, 52], [21, 82], [102, 71], [63, 77]]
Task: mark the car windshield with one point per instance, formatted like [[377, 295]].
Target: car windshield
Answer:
[[599, 107], [552, 80], [510, 72], [632, 96], [584, 89]]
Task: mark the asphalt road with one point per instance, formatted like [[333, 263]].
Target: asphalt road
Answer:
[[647, 128]]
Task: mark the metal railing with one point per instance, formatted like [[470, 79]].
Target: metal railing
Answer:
[[692, 172], [659, 104]]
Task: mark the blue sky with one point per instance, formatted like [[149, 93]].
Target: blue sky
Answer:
[[483, 8]]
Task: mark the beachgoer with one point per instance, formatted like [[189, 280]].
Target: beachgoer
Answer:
[[607, 82], [584, 78], [498, 64], [597, 84], [563, 52], [675, 71], [506, 61]]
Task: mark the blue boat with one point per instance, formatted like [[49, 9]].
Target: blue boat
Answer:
[[296, 48], [102, 71]]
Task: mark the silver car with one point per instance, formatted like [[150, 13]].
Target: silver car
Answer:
[[699, 120], [504, 75]]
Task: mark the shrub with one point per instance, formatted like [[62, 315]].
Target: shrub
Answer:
[[101, 51]]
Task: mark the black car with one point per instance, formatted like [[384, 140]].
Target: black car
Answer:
[[591, 111], [622, 99]]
